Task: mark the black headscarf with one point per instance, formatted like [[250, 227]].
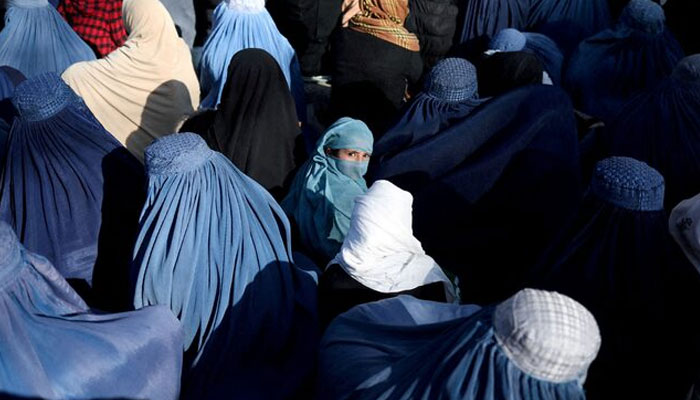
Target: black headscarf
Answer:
[[256, 124], [501, 72]]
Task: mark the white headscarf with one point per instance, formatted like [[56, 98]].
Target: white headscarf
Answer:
[[380, 250], [144, 89], [684, 225]]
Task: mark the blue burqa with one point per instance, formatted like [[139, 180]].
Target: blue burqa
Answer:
[[450, 93], [506, 177], [214, 246], [485, 18], [615, 259], [405, 348], [662, 128], [241, 25], [9, 78], [608, 69], [70, 190], [37, 39], [52, 347]]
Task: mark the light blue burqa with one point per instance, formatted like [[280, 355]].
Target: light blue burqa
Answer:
[[214, 246], [243, 26], [37, 39]]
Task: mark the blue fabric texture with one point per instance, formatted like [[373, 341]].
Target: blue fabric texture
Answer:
[[628, 183], [485, 18], [37, 39], [403, 348], [54, 348], [615, 258], [69, 188], [322, 197], [508, 39], [450, 93], [9, 78], [215, 247], [661, 127], [488, 182], [608, 69], [234, 30]]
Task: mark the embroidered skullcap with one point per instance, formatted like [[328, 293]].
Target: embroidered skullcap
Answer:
[[9, 251], [688, 69], [179, 152], [643, 15], [547, 335], [250, 6], [508, 39], [453, 80], [42, 96], [628, 183]]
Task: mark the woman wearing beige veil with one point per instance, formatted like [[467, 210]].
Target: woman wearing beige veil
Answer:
[[146, 88]]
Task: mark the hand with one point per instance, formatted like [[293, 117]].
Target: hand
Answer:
[[350, 8]]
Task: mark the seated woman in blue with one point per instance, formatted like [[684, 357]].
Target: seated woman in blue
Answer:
[[608, 69], [323, 192]]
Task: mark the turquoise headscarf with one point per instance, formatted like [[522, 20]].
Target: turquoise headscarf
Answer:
[[323, 193]]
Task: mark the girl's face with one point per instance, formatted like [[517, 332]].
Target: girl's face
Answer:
[[348, 154]]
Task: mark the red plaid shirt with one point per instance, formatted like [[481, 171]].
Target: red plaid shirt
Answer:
[[98, 22]]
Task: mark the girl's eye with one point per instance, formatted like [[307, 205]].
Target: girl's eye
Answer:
[[365, 156], [352, 154]]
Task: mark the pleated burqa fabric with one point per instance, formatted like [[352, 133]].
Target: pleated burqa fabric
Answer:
[[53, 347], [615, 258], [256, 124], [215, 247], [37, 39], [144, 89], [507, 176], [9, 78], [608, 69], [406, 348], [485, 18], [238, 25], [661, 127], [69, 189]]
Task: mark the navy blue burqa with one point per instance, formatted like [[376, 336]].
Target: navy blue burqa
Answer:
[[493, 190], [53, 348], [662, 128], [615, 259], [9, 78], [405, 348], [215, 247], [450, 93], [543, 47], [70, 189], [608, 69], [485, 18]]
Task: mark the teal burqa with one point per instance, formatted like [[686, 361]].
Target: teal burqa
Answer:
[[323, 192]]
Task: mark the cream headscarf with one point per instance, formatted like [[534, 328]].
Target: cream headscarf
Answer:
[[380, 250], [144, 89]]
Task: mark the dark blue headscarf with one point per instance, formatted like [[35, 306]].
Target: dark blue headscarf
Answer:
[[449, 94], [609, 68], [614, 258], [9, 78], [36, 39], [485, 18], [662, 128], [492, 191], [70, 189], [543, 47], [53, 348], [215, 247], [405, 348]]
